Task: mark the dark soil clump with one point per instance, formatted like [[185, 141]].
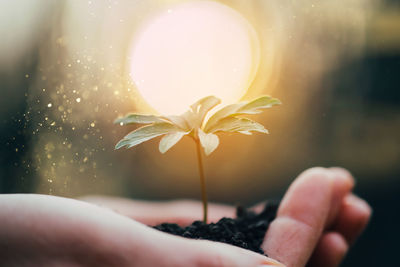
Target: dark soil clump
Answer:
[[246, 231]]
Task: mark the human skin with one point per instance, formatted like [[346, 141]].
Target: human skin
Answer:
[[317, 221]]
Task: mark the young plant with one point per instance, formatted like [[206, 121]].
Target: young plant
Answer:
[[193, 124]]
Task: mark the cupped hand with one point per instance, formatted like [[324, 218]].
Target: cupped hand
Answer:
[[318, 219], [39, 230]]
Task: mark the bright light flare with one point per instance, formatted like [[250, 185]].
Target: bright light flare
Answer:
[[193, 50]]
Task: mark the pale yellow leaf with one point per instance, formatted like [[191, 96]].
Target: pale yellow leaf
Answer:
[[170, 140], [208, 141]]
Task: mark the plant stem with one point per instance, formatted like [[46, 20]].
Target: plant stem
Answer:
[[202, 180]]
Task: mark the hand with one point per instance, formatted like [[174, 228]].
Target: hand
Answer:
[[318, 219], [39, 230]]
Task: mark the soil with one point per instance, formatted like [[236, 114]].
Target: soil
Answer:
[[246, 231]]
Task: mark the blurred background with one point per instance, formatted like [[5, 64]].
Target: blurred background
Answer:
[[334, 64]]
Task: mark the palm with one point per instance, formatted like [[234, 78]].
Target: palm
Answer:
[[318, 219]]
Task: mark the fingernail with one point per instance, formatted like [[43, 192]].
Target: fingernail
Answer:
[[271, 262]]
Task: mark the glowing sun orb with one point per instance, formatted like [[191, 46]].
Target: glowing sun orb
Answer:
[[193, 50]]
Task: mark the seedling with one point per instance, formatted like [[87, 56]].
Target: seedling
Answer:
[[194, 124]]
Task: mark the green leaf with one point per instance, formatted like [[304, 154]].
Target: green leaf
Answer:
[[240, 125], [146, 133], [208, 141], [170, 140], [138, 118], [199, 110], [252, 107]]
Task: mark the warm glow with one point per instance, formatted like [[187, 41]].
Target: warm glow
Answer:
[[193, 50]]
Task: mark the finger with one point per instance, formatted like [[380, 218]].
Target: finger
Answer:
[[182, 212], [330, 250], [343, 184], [350, 222], [301, 217], [353, 218], [213, 254]]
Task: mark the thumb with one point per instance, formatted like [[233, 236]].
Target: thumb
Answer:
[[214, 254], [226, 255]]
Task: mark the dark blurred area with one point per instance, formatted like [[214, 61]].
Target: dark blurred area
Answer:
[[352, 120], [365, 138]]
